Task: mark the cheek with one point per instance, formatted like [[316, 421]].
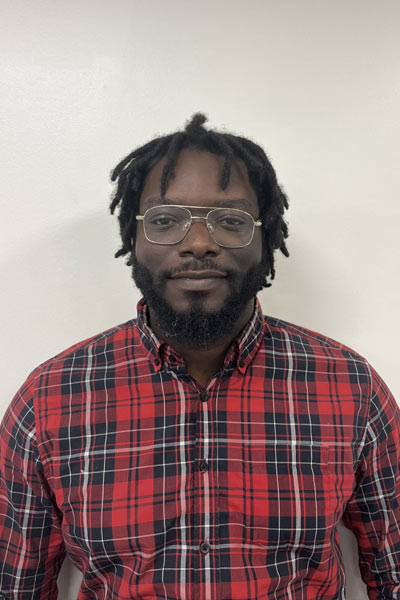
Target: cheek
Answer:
[[252, 255], [144, 250], [153, 256], [140, 243]]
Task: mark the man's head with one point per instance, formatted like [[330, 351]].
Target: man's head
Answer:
[[200, 281]]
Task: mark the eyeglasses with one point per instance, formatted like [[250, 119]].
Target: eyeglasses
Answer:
[[170, 223]]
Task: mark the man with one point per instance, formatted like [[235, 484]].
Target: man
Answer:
[[202, 450]]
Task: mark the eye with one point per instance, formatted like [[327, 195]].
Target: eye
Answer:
[[162, 221], [230, 222]]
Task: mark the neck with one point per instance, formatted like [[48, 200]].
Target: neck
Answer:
[[204, 362]]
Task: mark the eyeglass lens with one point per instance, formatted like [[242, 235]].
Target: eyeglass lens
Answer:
[[228, 227]]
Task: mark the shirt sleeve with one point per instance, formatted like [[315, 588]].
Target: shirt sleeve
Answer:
[[373, 512], [31, 548]]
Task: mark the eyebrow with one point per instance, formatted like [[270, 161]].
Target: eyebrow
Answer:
[[223, 203]]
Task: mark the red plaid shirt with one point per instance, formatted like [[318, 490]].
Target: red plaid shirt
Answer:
[[158, 489]]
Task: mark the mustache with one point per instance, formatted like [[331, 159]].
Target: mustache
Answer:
[[204, 265]]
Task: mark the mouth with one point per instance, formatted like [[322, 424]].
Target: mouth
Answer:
[[199, 281], [199, 275]]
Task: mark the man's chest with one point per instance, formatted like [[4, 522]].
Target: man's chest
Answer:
[[256, 458]]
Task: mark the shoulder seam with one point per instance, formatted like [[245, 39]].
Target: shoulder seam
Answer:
[[86, 343], [318, 337]]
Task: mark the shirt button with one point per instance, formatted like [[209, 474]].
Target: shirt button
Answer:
[[204, 547], [203, 396], [203, 466]]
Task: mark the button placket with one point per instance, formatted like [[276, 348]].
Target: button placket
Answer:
[[204, 439]]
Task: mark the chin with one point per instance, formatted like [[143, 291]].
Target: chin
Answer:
[[196, 301], [188, 294]]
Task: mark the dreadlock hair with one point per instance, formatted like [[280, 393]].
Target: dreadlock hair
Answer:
[[131, 173]]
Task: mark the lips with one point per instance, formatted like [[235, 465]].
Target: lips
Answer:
[[207, 281], [209, 274]]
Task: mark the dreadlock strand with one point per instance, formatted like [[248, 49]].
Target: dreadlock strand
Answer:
[[123, 184], [128, 159], [195, 125], [228, 155], [131, 173], [171, 156], [154, 153], [133, 155], [252, 164]]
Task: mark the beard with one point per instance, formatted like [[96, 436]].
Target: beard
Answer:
[[197, 327]]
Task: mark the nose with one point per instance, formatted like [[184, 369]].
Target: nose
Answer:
[[198, 241]]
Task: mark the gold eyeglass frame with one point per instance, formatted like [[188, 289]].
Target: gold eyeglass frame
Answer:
[[256, 223]]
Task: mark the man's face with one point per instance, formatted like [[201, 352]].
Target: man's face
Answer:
[[160, 268]]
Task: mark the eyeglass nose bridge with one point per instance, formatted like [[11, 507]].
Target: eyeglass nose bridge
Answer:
[[210, 229]]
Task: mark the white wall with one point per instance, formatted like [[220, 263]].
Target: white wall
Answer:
[[83, 82]]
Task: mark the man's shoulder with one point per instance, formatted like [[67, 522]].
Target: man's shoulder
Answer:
[[111, 339], [307, 341]]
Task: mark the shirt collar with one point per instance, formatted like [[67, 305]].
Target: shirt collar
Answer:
[[240, 354]]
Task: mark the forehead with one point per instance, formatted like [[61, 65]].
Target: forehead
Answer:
[[197, 182]]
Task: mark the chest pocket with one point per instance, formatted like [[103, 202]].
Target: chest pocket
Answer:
[[289, 495]]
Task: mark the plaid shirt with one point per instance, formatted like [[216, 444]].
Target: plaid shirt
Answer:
[[158, 489]]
